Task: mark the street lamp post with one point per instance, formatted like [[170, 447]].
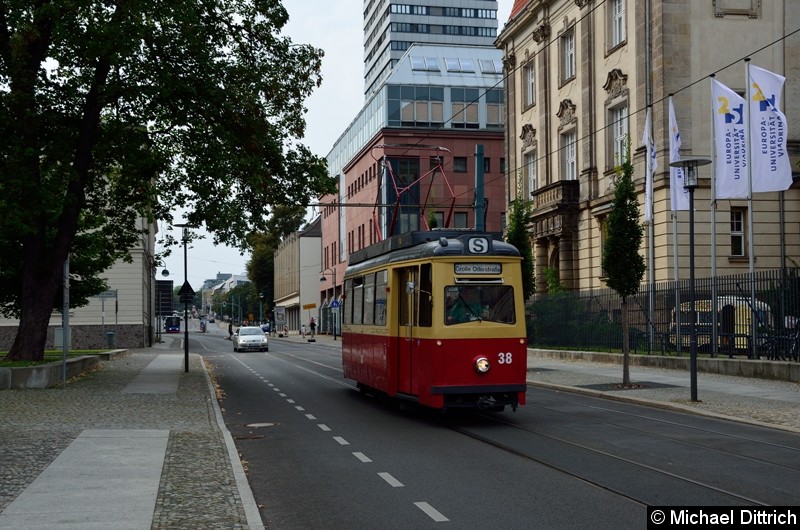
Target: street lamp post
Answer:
[[334, 304], [186, 293], [690, 166]]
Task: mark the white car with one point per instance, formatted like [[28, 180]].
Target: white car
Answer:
[[250, 338]]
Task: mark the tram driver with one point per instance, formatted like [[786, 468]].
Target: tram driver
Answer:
[[466, 306]]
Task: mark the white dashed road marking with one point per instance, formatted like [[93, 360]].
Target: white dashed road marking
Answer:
[[393, 482], [431, 512], [361, 456]]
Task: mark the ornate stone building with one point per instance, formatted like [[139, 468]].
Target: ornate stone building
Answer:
[[580, 75]]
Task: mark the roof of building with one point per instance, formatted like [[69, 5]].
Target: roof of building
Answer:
[[518, 7]]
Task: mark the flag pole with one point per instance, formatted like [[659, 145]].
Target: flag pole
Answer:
[[713, 213], [750, 243], [673, 196], [650, 231]]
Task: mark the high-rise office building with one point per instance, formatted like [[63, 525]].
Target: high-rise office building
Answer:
[[390, 27]]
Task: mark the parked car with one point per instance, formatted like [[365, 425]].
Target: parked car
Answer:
[[250, 338]]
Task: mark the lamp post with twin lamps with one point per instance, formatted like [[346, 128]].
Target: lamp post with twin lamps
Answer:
[[334, 303], [689, 166]]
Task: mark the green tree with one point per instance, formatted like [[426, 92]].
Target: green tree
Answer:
[[517, 235], [261, 266], [622, 263], [112, 112]]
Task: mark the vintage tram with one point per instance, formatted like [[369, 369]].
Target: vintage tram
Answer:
[[435, 317]]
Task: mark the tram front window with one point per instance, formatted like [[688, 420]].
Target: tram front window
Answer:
[[485, 303]]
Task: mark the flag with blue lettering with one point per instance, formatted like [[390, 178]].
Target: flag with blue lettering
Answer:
[[730, 146], [647, 141], [678, 195], [770, 166]]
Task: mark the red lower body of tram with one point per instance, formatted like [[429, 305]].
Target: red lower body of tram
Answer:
[[487, 374]]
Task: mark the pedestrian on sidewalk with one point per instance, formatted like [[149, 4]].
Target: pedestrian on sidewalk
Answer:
[[303, 330], [312, 324]]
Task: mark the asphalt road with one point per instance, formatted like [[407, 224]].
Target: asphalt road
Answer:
[[319, 454]]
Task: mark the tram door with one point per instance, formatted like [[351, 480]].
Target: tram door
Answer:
[[414, 312], [405, 336]]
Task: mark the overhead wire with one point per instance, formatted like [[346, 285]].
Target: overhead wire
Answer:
[[510, 75]]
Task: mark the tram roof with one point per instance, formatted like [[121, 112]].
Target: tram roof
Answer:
[[421, 244]]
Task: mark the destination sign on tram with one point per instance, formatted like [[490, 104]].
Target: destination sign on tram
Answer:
[[478, 268]]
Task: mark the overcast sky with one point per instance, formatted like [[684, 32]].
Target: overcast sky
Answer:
[[336, 27]]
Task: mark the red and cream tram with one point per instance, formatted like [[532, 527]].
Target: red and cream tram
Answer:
[[436, 317]]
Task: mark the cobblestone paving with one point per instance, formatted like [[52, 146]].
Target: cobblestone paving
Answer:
[[197, 487]]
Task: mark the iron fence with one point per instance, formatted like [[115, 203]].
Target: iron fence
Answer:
[[755, 315]]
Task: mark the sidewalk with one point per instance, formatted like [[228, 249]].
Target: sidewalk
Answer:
[[141, 444], [137, 444]]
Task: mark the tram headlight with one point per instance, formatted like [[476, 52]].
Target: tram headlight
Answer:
[[482, 365]]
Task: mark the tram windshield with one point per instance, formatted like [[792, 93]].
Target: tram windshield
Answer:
[[485, 303]]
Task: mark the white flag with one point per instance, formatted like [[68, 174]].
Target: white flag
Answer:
[[647, 141], [730, 143], [770, 169], [678, 195]]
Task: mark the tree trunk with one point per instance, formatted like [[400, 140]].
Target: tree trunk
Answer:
[[626, 346], [41, 277]]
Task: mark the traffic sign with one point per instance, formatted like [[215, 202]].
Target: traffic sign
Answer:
[[186, 293], [335, 304]]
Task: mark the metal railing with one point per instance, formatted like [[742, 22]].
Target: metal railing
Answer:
[[736, 324]]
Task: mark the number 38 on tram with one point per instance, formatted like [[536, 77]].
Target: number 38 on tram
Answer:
[[436, 318]]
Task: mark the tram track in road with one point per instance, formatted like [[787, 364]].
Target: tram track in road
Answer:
[[606, 484], [676, 438]]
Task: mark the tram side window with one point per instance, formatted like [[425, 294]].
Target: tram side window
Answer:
[[369, 299], [380, 297], [358, 300], [425, 299], [347, 313]]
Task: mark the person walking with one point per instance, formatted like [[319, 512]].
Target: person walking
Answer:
[[312, 324], [230, 330], [303, 330]]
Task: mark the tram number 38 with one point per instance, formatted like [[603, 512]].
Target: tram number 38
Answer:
[[504, 358]]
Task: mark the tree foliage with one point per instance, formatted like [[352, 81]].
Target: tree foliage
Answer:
[[261, 266], [517, 235], [622, 263], [117, 112]]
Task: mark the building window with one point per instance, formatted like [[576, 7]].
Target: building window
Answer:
[[460, 220], [460, 164], [567, 42], [618, 125], [738, 239], [495, 109], [491, 67], [529, 80], [616, 23], [454, 64], [569, 155], [487, 165], [529, 159], [464, 108], [425, 63], [420, 106], [438, 217], [602, 224]]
